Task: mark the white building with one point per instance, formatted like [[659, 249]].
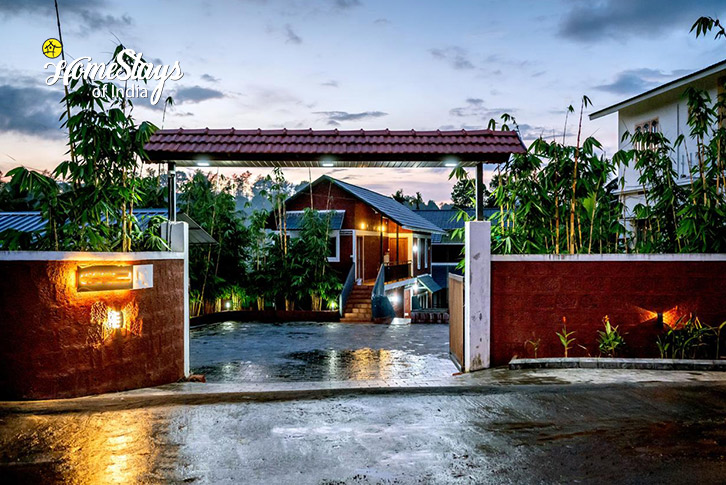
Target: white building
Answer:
[[662, 109]]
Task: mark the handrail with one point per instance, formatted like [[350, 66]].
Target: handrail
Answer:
[[381, 308], [380, 285], [347, 288]]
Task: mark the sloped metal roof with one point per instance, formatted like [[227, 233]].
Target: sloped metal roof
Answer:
[[294, 219], [21, 221], [447, 219], [197, 234], [397, 212], [328, 148], [429, 283], [31, 221]]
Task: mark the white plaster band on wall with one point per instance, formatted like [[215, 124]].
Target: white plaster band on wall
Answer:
[[623, 258], [88, 256]]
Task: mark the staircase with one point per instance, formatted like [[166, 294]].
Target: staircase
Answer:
[[358, 306]]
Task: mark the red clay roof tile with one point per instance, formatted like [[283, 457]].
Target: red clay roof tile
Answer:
[[347, 145]]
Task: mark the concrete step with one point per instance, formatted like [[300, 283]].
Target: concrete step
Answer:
[[358, 315], [351, 309]]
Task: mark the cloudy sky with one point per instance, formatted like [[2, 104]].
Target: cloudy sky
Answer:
[[351, 64]]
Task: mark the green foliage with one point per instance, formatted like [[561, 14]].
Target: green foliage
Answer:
[[609, 340], [705, 24], [566, 338], [93, 210], [688, 338], [313, 275], [213, 269]]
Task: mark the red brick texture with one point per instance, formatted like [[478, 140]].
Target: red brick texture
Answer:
[[530, 298], [50, 348]]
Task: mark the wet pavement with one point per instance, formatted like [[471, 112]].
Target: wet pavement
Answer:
[[235, 352], [583, 433]]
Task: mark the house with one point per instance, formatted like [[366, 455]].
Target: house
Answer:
[[662, 109], [446, 249], [371, 236]]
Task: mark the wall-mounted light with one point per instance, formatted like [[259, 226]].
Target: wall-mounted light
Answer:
[[363, 225], [202, 164], [659, 320], [328, 164], [114, 319]]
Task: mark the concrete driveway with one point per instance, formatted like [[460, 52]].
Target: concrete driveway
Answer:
[[243, 353], [615, 433]]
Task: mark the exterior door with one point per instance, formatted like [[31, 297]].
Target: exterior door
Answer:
[[359, 257]]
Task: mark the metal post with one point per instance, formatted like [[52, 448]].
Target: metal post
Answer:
[[480, 191], [171, 184], [381, 237]]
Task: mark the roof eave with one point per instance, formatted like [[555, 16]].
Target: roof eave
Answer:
[[664, 88]]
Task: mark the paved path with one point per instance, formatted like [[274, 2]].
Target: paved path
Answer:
[[245, 353], [613, 433]]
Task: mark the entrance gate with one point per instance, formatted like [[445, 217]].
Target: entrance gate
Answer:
[[456, 319], [359, 149]]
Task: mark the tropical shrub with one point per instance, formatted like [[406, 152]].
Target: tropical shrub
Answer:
[[566, 338], [609, 340]]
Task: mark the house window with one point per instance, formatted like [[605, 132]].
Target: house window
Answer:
[[417, 246], [334, 248], [426, 253], [650, 126]]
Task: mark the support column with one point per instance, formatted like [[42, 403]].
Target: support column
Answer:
[[171, 185], [178, 240], [480, 191], [477, 295]]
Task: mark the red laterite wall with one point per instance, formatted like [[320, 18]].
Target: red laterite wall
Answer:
[[51, 347], [530, 298]]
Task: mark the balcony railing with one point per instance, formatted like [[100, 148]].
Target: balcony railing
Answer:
[[398, 270]]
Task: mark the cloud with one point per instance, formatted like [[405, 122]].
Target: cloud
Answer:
[[209, 78], [456, 57], [30, 110], [633, 81], [619, 19], [345, 4], [382, 21], [92, 14], [195, 94], [331, 84], [292, 37], [335, 117], [476, 108]]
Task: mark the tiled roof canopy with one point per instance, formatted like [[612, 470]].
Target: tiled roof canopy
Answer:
[[331, 148]]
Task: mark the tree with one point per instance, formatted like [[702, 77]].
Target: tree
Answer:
[[94, 211], [216, 270], [314, 277], [410, 201]]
